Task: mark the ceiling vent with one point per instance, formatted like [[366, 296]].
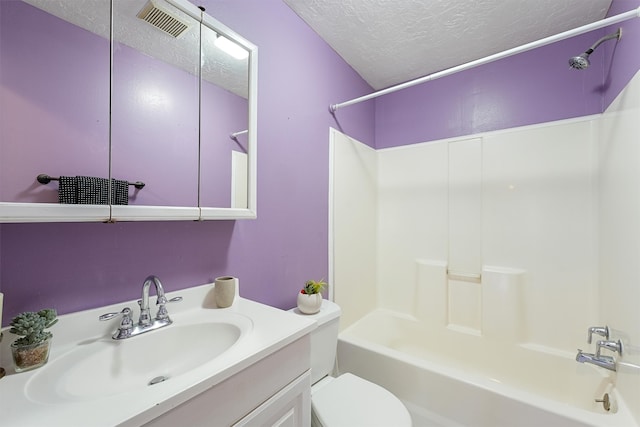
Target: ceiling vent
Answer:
[[163, 19]]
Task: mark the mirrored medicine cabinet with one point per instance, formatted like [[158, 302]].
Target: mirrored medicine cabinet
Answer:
[[154, 94]]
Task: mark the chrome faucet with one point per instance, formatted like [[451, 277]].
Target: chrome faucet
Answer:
[[609, 345], [603, 331], [606, 362], [145, 324], [161, 300], [597, 359]]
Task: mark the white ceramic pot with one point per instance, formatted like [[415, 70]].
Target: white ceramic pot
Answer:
[[309, 304]]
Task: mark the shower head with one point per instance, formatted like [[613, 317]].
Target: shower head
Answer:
[[581, 61]]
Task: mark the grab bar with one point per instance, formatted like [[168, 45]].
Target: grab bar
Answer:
[[43, 178], [465, 277]]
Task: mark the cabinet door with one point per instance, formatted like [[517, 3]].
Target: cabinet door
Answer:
[[155, 97], [54, 105], [290, 407]]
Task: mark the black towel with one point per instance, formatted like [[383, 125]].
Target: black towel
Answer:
[[92, 190], [68, 190], [119, 192]]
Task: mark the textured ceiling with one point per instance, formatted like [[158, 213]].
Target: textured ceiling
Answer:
[[392, 41], [93, 15]]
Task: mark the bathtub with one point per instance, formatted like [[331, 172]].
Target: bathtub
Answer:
[[448, 378]]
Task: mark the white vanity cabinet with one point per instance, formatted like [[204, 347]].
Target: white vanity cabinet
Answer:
[[274, 391], [290, 407], [245, 365]]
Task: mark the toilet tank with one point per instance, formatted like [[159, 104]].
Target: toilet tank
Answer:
[[324, 339]]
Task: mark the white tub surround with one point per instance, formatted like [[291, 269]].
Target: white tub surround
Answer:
[[269, 362], [520, 239], [619, 237], [521, 200], [489, 304]]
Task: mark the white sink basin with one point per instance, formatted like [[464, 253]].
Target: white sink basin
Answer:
[[106, 367]]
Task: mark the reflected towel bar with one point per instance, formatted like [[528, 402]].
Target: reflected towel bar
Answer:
[[235, 135], [43, 178]]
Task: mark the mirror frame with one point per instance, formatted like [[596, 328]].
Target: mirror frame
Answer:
[[13, 212], [251, 212]]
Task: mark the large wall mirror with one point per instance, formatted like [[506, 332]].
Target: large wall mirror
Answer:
[[140, 91]]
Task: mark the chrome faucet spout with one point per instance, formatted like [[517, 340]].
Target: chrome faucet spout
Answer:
[[145, 316], [605, 362]]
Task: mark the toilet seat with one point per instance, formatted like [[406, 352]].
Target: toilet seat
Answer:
[[350, 401]]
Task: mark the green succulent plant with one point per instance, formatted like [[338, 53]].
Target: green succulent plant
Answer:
[[31, 326], [313, 287]]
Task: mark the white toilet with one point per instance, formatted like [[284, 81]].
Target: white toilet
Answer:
[[348, 400]]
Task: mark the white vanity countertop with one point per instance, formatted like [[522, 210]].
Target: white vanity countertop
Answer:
[[269, 330]]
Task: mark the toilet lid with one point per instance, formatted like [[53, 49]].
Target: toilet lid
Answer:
[[350, 401]]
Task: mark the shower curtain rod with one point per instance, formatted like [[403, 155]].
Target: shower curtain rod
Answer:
[[635, 13]]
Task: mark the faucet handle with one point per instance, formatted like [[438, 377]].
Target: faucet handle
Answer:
[[145, 317], [126, 324], [609, 345], [174, 299], [108, 316], [603, 331], [162, 313], [162, 310]]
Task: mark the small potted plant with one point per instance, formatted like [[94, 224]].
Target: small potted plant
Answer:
[[310, 298], [32, 349]]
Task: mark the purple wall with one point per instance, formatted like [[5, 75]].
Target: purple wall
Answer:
[[155, 119], [79, 266], [539, 87], [533, 87], [63, 118], [224, 113], [155, 129]]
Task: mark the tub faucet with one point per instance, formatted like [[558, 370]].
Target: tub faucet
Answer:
[[606, 362], [603, 331]]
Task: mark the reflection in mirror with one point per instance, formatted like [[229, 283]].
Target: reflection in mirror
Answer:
[[224, 121], [155, 96], [55, 76], [54, 95]]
